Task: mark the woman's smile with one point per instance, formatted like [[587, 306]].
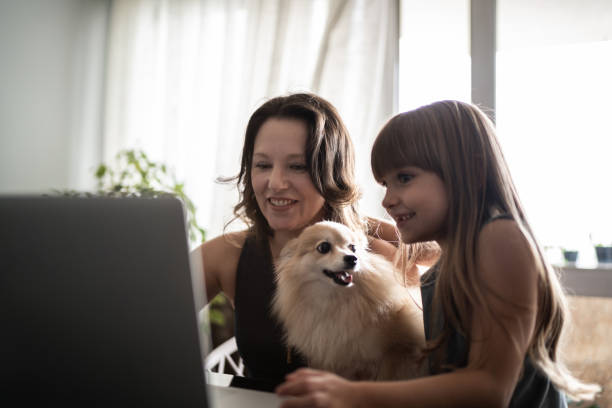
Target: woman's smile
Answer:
[[281, 181], [281, 203]]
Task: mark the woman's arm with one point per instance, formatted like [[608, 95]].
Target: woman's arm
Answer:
[[384, 237], [506, 267], [218, 260], [383, 230]]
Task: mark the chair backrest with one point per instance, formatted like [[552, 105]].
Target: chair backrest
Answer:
[[226, 352]]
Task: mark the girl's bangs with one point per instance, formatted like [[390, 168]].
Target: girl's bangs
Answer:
[[396, 146]]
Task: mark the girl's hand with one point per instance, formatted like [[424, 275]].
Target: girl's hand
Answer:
[[313, 388]]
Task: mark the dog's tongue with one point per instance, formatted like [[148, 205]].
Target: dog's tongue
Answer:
[[345, 277], [342, 278]]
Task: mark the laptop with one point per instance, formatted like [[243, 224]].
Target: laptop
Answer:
[[97, 307]]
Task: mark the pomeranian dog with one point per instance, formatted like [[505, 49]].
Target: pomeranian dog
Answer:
[[345, 309]]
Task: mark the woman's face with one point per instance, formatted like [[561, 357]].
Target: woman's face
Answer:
[[281, 181]]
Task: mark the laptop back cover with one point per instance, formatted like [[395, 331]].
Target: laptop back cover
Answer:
[[96, 303]]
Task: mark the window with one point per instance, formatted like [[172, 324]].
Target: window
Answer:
[[553, 102], [434, 57]]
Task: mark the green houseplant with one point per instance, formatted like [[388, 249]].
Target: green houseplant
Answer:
[[134, 174]]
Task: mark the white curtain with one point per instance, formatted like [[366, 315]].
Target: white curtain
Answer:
[[183, 77]]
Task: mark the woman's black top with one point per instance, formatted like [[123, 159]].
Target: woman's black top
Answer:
[[259, 335]]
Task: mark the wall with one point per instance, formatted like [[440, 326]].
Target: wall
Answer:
[[51, 77]]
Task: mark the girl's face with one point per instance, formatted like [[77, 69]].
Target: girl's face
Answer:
[[283, 188], [417, 201]]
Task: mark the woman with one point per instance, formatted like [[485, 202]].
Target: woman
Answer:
[[297, 168]]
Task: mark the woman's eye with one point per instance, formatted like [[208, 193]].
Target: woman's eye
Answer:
[[262, 165], [324, 247], [352, 247], [298, 167]]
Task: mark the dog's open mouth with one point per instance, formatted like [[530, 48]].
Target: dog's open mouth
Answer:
[[342, 278]]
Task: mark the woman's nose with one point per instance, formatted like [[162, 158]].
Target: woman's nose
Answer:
[[278, 179]]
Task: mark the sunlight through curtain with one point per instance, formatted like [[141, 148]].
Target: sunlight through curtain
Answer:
[[183, 76]]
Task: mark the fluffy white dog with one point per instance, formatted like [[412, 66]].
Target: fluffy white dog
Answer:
[[345, 309]]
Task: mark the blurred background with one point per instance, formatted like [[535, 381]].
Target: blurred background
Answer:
[[178, 79], [81, 80]]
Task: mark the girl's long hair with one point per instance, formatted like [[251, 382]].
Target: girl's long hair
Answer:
[[457, 141]]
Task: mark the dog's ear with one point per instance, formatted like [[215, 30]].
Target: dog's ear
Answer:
[[290, 248]]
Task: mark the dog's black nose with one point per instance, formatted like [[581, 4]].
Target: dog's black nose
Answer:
[[350, 261]]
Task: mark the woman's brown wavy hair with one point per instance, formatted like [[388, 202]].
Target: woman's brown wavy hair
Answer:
[[330, 157], [457, 141]]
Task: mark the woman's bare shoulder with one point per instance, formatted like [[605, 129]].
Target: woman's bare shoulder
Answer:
[[220, 257], [225, 243]]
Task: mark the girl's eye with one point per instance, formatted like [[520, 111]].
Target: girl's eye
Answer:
[[352, 247], [324, 247], [404, 178], [262, 165]]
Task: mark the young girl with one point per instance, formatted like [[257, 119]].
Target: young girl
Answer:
[[493, 309]]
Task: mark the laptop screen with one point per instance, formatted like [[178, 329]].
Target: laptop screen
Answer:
[[96, 303]]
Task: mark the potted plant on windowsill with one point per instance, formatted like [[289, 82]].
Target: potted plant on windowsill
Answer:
[[570, 256], [602, 243], [604, 254]]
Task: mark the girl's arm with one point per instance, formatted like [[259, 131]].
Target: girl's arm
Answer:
[[463, 388], [506, 266]]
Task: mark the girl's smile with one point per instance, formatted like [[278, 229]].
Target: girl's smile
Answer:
[[403, 218]]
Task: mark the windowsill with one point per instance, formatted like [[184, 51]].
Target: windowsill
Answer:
[[579, 281]]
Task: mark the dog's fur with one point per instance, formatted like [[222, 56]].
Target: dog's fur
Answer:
[[365, 326]]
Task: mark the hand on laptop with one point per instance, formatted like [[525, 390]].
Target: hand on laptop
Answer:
[[313, 388]]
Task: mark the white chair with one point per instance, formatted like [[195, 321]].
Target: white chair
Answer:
[[225, 352]]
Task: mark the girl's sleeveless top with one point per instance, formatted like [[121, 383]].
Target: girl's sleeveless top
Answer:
[[534, 388], [259, 335]]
